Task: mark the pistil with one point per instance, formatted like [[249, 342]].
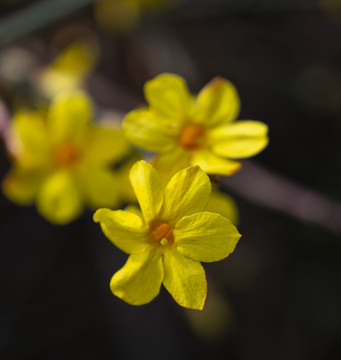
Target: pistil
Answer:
[[66, 155]]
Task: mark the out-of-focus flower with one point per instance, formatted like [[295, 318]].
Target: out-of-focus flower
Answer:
[[216, 321], [223, 204], [69, 70], [123, 15], [167, 244], [185, 130], [332, 8], [62, 161]]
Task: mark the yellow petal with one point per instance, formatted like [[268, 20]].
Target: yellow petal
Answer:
[[205, 237], [123, 228], [68, 116], [99, 186], [186, 193], [139, 281], [27, 139], [185, 280], [168, 95], [79, 57], [214, 164], [239, 140], [21, 186], [169, 163], [146, 130], [105, 144], [51, 82], [69, 69], [59, 199], [217, 103], [135, 210], [223, 205], [148, 189]]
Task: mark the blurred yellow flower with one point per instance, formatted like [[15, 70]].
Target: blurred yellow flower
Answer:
[[185, 130], [168, 242], [122, 15], [62, 161], [223, 204], [69, 70]]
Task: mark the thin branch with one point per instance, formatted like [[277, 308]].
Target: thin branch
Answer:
[[275, 192]]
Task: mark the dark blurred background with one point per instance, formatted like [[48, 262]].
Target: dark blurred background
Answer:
[[278, 296]]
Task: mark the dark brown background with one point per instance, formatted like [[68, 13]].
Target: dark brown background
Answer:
[[281, 286]]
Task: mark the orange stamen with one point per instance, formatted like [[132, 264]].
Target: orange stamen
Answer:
[[66, 155], [192, 136], [159, 231]]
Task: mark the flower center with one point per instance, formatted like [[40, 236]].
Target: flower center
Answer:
[[192, 136], [161, 232], [66, 155]]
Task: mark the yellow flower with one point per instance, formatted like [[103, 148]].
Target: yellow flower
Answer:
[[69, 70], [122, 15], [167, 244], [62, 161], [185, 130]]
